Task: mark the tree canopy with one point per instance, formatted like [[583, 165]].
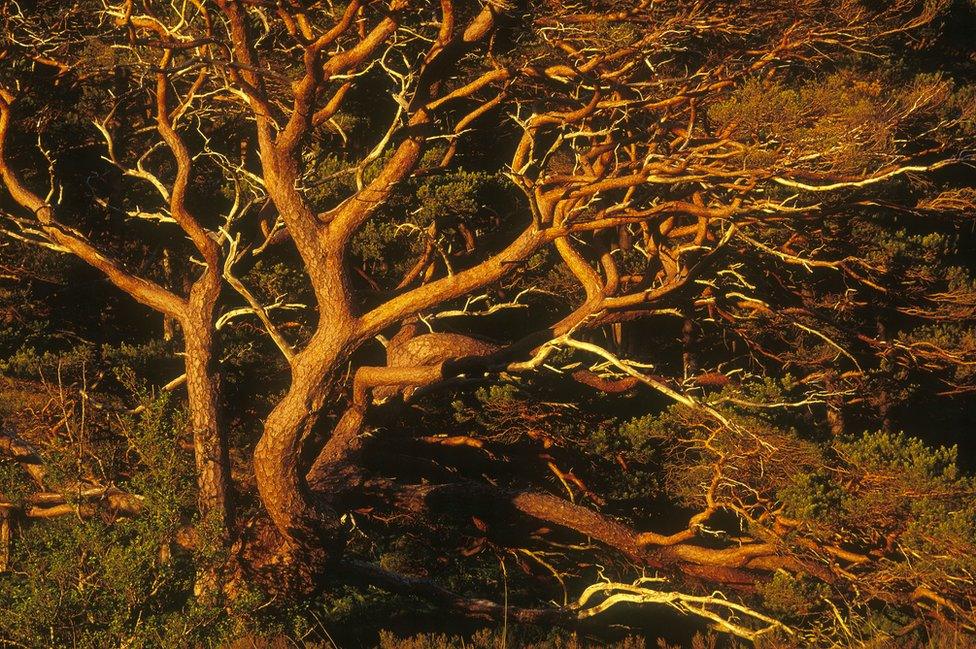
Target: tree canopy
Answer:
[[577, 315]]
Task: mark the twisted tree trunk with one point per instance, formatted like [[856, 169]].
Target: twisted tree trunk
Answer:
[[300, 498], [278, 466]]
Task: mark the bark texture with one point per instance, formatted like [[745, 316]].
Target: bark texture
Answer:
[[203, 391]]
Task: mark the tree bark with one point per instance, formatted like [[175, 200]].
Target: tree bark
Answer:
[[203, 392], [735, 565], [277, 457]]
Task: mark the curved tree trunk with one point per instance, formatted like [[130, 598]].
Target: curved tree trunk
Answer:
[[285, 484], [277, 457]]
